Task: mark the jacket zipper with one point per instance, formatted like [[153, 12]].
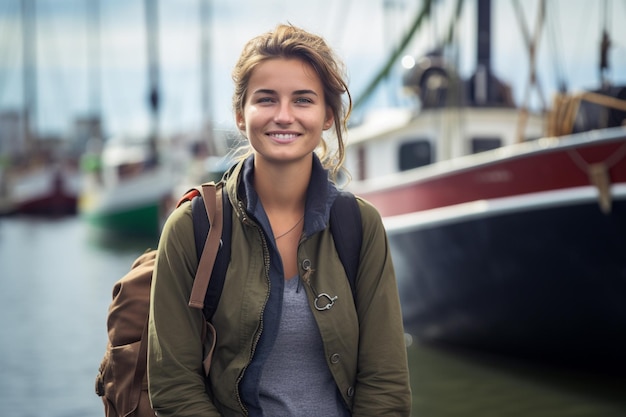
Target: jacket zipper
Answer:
[[266, 261]]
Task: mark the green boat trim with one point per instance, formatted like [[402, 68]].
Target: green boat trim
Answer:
[[142, 221]]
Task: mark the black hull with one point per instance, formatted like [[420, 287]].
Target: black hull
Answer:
[[544, 283]]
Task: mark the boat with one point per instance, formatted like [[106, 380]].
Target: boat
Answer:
[[507, 227], [48, 190], [125, 191]]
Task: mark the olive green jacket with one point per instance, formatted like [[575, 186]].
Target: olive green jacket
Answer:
[[364, 343]]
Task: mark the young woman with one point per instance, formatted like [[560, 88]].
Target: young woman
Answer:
[[276, 354]]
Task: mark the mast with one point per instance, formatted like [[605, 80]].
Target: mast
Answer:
[[485, 89], [29, 81], [205, 76], [152, 41], [90, 126], [482, 84], [205, 52], [605, 45], [93, 56]]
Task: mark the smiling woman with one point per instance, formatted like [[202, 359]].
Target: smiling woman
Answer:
[[277, 352]]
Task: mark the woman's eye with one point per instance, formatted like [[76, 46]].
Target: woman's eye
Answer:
[[304, 100], [265, 100]]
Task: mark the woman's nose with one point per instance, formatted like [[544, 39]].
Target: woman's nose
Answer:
[[284, 113]]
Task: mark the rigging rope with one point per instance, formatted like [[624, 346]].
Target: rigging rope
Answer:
[[556, 47], [371, 87]]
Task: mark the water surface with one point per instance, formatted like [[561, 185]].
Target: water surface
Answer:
[[55, 289]]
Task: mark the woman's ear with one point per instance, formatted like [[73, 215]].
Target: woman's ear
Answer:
[[241, 123], [330, 119]]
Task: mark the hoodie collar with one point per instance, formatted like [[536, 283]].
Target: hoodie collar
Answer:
[[320, 195]]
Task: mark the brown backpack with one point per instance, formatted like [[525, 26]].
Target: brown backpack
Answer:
[[122, 379]]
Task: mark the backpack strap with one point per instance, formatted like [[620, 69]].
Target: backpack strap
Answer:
[[345, 226], [218, 277], [213, 205], [201, 228], [347, 231]]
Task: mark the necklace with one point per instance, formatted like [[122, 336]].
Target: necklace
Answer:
[[292, 227]]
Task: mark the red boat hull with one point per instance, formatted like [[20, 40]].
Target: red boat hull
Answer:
[[549, 167], [57, 199]]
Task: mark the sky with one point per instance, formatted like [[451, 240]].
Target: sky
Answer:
[[69, 45]]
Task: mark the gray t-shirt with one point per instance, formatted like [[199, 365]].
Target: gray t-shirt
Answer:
[[296, 381]]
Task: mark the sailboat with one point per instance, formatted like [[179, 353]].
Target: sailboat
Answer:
[[37, 175], [127, 183], [504, 239]]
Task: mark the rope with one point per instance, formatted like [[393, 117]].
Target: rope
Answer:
[[563, 116], [598, 174], [609, 162]]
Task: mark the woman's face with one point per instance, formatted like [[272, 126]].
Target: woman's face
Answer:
[[284, 113]]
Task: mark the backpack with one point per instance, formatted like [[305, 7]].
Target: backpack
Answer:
[[122, 379]]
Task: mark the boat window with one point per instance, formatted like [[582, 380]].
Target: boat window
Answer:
[[415, 154], [485, 144]]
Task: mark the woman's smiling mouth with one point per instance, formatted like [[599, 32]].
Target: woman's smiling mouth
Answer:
[[283, 137]]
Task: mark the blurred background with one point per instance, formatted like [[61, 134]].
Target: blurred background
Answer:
[[109, 110], [72, 65]]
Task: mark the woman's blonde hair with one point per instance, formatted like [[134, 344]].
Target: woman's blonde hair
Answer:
[[288, 41]]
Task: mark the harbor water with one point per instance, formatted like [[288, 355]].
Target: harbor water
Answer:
[[55, 288]]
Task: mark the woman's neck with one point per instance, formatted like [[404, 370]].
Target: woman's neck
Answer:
[[282, 188]]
